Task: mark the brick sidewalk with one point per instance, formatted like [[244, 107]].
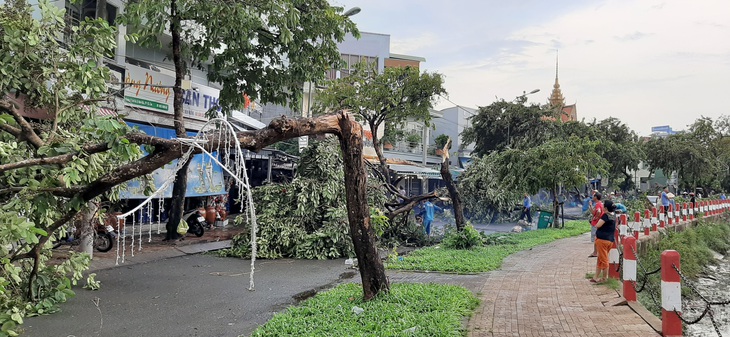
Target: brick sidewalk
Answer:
[[544, 292]]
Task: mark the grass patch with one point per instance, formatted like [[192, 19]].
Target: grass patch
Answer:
[[694, 247], [613, 283], [408, 310], [484, 258]]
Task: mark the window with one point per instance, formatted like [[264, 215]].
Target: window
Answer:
[[77, 12]]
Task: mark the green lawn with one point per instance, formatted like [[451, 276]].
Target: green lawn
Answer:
[[485, 258], [408, 310]]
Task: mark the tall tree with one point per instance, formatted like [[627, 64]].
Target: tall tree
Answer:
[[265, 50], [695, 155], [379, 99], [553, 165], [619, 145], [502, 125]]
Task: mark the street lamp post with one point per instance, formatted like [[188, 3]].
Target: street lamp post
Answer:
[[519, 98]]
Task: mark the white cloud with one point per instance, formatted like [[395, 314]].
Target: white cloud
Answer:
[[643, 62]]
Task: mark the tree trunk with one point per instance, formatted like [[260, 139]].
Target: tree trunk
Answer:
[[181, 176], [379, 153], [371, 267], [451, 186], [86, 232], [556, 207]]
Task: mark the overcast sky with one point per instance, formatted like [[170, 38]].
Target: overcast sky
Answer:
[[647, 62]]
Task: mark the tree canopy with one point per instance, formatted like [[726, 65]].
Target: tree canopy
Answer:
[[700, 155], [263, 49], [385, 99], [509, 124], [618, 145]]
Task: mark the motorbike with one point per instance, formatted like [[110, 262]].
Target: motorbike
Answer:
[[104, 236], [196, 221]]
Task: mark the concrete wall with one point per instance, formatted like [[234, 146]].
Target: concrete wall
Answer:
[[369, 44], [452, 124]]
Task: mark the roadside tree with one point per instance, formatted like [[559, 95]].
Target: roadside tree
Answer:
[[384, 100], [265, 51]]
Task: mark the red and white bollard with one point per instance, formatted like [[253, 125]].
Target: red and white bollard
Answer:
[[647, 221], [629, 269], [676, 213], [614, 258], [623, 228], [654, 221], [662, 219], [692, 207], [684, 212], [670, 215], [637, 223], [671, 294]]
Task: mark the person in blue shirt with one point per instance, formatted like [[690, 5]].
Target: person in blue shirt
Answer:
[[428, 211], [586, 204], [527, 205], [665, 200], [620, 208], [722, 196]]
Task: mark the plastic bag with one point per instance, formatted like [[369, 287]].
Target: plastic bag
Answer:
[[183, 227]]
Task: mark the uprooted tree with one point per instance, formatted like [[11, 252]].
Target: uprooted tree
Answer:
[[56, 154]]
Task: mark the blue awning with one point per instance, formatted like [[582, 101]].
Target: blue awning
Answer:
[[205, 177]]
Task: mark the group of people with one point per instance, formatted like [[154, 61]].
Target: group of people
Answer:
[[603, 226]]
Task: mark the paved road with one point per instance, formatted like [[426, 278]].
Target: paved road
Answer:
[[193, 295]]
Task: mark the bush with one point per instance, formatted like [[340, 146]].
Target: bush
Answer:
[[694, 246], [466, 239]]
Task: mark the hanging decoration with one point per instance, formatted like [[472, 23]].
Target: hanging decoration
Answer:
[[232, 160]]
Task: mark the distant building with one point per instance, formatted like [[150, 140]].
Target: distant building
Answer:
[[557, 101], [662, 131], [452, 123]]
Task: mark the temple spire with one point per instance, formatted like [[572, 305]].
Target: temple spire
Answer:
[[556, 98]]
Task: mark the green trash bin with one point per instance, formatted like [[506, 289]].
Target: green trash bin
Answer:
[[544, 219]]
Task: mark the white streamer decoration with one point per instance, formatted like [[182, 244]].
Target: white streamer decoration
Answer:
[[141, 222], [134, 222], [149, 217], [226, 136]]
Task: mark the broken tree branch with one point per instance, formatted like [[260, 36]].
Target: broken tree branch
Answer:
[[27, 133], [60, 159]]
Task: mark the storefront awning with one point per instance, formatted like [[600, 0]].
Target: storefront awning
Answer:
[[420, 172]]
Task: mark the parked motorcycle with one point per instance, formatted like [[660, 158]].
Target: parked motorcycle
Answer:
[[196, 221], [104, 236]]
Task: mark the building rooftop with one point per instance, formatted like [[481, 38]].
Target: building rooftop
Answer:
[[407, 57]]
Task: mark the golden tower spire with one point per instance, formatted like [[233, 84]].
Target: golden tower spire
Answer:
[[556, 98]]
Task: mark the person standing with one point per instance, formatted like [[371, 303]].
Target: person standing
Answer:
[[722, 196], [665, 200], [428, 212], [606, 226], [526, 208], [598, 212]]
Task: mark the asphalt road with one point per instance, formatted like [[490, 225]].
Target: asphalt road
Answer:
[[194, 295]]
